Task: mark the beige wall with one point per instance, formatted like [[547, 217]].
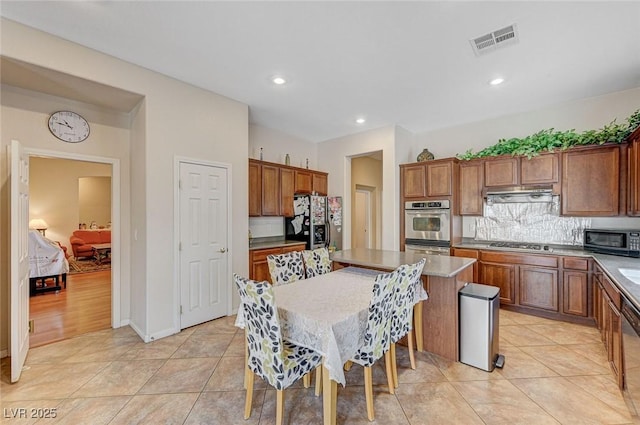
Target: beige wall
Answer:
[[213, 128], [94, 201], [367, 171], [581, 115], [277, 144], [54, 193]]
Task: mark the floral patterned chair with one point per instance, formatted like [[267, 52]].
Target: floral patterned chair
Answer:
[[285, 268], [402, 315], [316, 261], [377, 336], [278, 362]]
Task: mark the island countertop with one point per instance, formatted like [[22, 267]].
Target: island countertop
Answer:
[[436, 265]]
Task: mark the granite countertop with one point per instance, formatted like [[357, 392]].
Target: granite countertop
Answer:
[[609, 263], [265, 244], [436, 265]]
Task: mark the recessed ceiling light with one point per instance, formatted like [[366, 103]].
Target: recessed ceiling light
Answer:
[[279, 80], [360, 121], [496, 81]]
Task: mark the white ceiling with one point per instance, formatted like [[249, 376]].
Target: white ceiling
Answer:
[[393, 62]]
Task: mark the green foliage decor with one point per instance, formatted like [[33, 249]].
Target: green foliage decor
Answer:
[[550, 139]]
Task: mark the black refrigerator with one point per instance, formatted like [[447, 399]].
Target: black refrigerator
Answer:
[[309, 222]]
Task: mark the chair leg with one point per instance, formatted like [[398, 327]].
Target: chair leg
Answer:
[[306, 380], [279, 406], [412, 357], [348, 365], [318, 380], [387, 363], [368, 392], [249, 398], [394, 364]]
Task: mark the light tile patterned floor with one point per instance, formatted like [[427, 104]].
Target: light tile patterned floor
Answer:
[[555, 373]]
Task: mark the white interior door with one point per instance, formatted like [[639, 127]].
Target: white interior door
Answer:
[[362, 221], [204, 224], [19, 258]]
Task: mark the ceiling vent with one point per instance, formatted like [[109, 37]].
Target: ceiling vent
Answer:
[[499, 38]]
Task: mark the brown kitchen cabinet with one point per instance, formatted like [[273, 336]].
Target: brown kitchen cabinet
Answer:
[[609, 321], [255, 189], [304, 181], [501, 171], [575, 286], [439, 178], [501, 275], [258, 266], [319, 183], [540, 169], [270, 190], [633, 174], [470, 187], [413, 180], [287, 190], [591, 181], [468, 253]]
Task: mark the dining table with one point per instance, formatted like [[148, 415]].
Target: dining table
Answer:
[[328, 313]]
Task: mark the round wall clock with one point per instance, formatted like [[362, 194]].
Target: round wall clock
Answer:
[[68, 126]]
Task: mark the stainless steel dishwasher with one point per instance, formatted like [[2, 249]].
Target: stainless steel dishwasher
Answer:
[[631, 352]]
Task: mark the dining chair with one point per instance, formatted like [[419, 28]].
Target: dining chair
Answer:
[[402, 314], [316, 261], [377, 336], [285, 268], [280, 363]]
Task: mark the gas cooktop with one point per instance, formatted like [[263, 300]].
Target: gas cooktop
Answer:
[[518, 245]]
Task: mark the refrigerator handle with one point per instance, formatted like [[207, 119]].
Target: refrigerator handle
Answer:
[[328, 233]]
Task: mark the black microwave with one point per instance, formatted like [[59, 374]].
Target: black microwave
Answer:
[[613, 241]]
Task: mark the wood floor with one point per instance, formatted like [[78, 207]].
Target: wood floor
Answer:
[[84, 306]]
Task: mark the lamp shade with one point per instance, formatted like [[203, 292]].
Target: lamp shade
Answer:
[[38, 223]]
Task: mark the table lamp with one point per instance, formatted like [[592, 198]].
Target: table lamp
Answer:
[[39, 224]]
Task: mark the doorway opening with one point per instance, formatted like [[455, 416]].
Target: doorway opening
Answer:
[[366, 200], [93, 290]]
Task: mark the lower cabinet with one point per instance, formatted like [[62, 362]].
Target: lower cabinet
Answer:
[[548, 285], [608, 301], [258, 266]]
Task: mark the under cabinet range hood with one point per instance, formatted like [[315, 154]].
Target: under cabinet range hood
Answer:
[[520, 194]]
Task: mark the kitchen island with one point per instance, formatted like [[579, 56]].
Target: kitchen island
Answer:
[[436, 319]]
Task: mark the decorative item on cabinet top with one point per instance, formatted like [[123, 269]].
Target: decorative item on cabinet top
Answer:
[[425, 155]]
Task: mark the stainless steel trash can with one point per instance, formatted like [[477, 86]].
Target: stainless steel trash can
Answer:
[[479, 314]]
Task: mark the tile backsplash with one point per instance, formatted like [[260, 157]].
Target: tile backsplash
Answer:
[[530, 222], [265, 227]]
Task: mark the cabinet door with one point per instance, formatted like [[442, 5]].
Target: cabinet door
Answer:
[[255, 189], [270, 190], [471, 183], [502, 276], [538, 287], [615, 344], [287, 189], [539, 169], [439, 179], [590, 182], [468, 253], [597, 305], [258, 267], [574, 286], [319, 183], [304, 183], [414, 181], [633, 170], [501, 172]]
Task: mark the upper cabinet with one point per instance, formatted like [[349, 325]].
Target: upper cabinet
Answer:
[[501, 171], [541, 169], [515, 171], [591, 181], [470, 187], [633, 174], [272, 187], [255, 189], [429, 179]]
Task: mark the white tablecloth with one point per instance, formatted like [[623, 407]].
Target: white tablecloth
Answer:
[[46, 258], [327, 313]]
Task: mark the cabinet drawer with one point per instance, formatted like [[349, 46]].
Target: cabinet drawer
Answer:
[[506, 257], [261, 254], [575, 263], [612, 291], [293, 248]]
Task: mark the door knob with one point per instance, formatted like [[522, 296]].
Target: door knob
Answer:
[[223, 249]]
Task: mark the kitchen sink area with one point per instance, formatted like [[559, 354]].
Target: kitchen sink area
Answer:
[[632, 274]]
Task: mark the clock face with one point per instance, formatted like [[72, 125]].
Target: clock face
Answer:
[[68, 126]]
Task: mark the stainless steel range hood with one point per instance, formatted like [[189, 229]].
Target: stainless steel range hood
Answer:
[[520, 194]]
